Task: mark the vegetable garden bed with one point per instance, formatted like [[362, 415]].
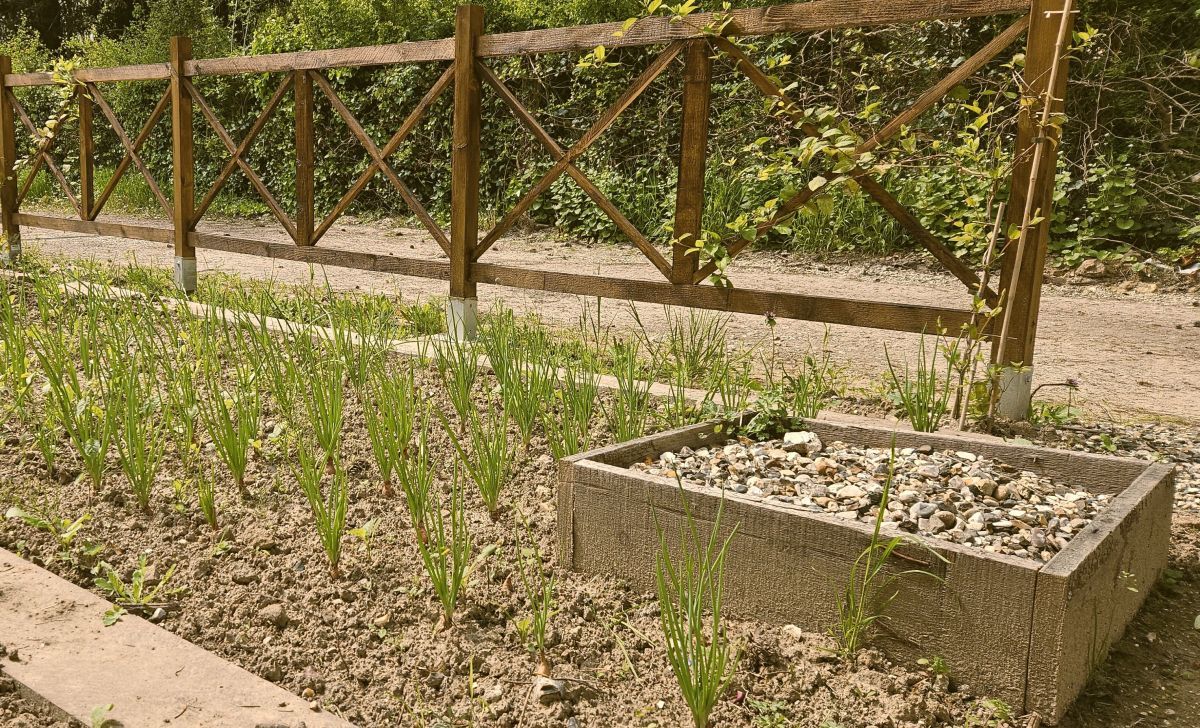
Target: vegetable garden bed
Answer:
[[1026, 632]]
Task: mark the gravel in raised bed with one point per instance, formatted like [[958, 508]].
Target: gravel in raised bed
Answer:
[[951, 495]]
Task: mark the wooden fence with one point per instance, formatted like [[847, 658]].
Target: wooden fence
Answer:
[[465, 56]]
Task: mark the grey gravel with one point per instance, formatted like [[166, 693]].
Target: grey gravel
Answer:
[[950, 495]]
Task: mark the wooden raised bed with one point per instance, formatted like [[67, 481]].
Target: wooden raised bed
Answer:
[[1011, 628]]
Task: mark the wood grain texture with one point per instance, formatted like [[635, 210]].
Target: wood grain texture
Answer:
[[8, 158], [871, 314], [87, 157], [378, 55], [410, 123], [302, 84], [155, 115], [143, 72], [794, 18], [92, 227], [558, 154], [610, 115], [183, 174], [464, 161], [1022, 264], [693, 156], [318, 255], [42, 157]]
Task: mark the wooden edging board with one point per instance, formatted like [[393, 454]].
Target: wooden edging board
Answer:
[[1024, 632], [58, 648]]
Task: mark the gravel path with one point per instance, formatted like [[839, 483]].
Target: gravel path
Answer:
[[1134, 352]]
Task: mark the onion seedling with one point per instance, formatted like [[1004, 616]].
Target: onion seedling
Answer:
[[568, 427], [924, 394], [232, 419], [141, 445], [82, 406], [538, 581], [490, 460], [328, 508], [416, 476], [206, 495], [628, 416], [690, 593], [458, 366], [325, 403], [388, 409], [446, 550]]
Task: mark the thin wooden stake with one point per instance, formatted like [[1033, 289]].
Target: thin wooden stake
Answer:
[[183, 177]]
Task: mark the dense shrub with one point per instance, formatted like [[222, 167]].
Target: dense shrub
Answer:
[[1127, 179]]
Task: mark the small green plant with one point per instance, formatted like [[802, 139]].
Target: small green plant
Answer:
[[388, 409], [64, 530], [628, 414], [690, 596], [538, 581], [869, 588], [329, 507], [459, 367], [924, 394], [366, 534], [489, 461], [568, 422], [134, 596], [46, 437], [446, 550]]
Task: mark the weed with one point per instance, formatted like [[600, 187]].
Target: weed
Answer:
[[366, 534], [134, 596], [64, 530], [690, 593]]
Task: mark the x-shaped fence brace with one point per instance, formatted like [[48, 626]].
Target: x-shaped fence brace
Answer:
[[237, 155], [735, 244], [40, 157]]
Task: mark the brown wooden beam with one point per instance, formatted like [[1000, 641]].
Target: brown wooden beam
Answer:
[[9, 228], [302, 83], [183, 168], [464, 163], [87, 157], [693, 156]]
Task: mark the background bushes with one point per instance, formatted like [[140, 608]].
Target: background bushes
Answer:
[[1128, 183]]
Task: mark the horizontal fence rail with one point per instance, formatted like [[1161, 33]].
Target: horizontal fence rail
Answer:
[[467, 76]]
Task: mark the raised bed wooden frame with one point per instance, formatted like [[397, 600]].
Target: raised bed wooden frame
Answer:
[[466, 54], [1024, 632]]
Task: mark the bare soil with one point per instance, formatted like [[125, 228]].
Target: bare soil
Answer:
[[1134, 352]]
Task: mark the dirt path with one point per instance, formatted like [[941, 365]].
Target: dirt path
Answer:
[[1136, 355]]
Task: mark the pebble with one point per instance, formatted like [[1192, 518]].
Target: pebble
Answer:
[[953, 495], [274, 615]]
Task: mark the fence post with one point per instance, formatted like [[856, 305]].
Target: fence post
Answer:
[[183, 169], [10, 252], [693, 153], [304, 157], [1036, 161], [87, 156], [463, 307]]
